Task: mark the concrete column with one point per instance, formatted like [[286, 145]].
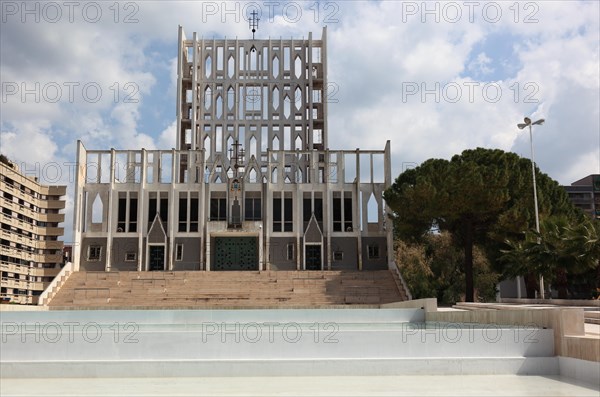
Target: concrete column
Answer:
[[202, 203], [180, 61], [387, 169], [324, 99], [80, 177], [360, 208], [194, 115], [142, 216], [172, 222], [327, 226], [109, 212], [207, 264]]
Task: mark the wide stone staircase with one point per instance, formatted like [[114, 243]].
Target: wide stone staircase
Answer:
[[231, 289]]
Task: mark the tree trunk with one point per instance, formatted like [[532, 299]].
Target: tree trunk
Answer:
[[597, 286], [531, 285], [561, 282], [469, 290]]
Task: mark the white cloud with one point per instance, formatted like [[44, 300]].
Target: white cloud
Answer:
[[167, 138], [30, 142], [374, 50], [481, 65]]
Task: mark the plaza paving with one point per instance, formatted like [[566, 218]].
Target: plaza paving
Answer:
[[470, 385]]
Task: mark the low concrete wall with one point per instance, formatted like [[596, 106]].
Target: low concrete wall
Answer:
[[541, 366], [428, 304], [22, 308], [568, 325], [579, 369], [558, 302], [263, 343]]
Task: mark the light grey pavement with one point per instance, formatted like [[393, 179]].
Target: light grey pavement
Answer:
[[471, 385]]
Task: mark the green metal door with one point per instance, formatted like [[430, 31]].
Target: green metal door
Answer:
[[313, 257], [157, 258], [235, 253]]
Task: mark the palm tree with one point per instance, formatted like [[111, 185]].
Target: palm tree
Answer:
[[585, 241], [559, 250]]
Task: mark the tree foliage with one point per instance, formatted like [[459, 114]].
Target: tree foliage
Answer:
[[433, 268], [482, 196], [562, 248]]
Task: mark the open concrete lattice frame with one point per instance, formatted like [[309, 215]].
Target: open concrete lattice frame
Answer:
[[251, 162]]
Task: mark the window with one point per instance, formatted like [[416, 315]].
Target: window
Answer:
[[284, 223], [342, 220], [178, 252], [182, 214], [348, 214], [338, 256], [193, 215], [130, 256], [164, 210], [252, 207], [373, 251], [122, 210], [133, 214], [288, 224], [94, 253], [337, 214], [218, 209], [277, 226], [291, 251], [151, 209]]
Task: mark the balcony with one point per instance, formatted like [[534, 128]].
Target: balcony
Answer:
[[50, 244], [52, 204], [14, 283], [50, 231], [31, 256], [45, 272], [31, 271], [21, 299], [19, 238], [55, 190], [13, 268], [55, 218]]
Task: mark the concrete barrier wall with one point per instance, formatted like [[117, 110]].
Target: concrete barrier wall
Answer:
[[235, 341], [257, 334], [199, 316], [559, 302], [579, 369], [567, 323], [541, 366], [101, 343]]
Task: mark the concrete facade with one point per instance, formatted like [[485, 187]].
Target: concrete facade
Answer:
[[30, 252], [585, 194], [252, 163]]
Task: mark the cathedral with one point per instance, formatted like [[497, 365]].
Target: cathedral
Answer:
[[252, 183]]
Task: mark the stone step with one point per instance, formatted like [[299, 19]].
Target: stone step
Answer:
[[239, 288]]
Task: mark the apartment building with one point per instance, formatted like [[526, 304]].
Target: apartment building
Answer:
[[31, 254], [585, 194]]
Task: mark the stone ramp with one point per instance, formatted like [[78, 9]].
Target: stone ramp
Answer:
[[231, 289]]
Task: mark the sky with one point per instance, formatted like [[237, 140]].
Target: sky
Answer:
[[434, 78]]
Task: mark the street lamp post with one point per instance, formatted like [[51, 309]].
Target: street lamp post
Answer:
[[528, 123]]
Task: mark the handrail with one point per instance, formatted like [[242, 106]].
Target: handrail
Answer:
[[408, 294], [56, 284]]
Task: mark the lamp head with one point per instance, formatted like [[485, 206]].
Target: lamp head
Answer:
[[521, 126], [527, 120], [539, 122]]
